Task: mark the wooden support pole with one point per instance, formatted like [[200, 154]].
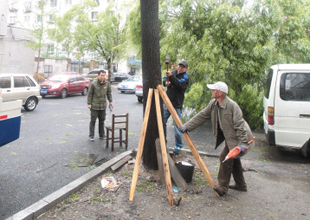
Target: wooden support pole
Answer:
[[175, 173], [163, 148], [187, 138], [141, 144], [160, 162]]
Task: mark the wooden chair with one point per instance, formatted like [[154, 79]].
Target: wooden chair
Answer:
[[119, 122]]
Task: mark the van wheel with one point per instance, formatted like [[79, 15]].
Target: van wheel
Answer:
[[122, 91], [85, 91], [140, 99], [30, 104], [63, 93]]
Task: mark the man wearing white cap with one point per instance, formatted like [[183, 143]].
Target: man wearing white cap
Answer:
[[228, 125]]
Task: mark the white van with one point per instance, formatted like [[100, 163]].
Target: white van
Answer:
[[287, 106]]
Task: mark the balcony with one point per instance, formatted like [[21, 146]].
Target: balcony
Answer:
[[27, 10], [13, 9]]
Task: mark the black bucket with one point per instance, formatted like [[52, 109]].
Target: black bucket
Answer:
[[186, 169]]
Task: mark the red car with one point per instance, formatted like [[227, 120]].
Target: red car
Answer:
[[63, 84]]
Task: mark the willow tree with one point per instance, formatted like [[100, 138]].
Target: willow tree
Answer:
[[39, 30], [101, 35]]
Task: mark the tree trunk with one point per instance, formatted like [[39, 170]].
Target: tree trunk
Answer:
[[151, 74], [109, 69], [38, 63]]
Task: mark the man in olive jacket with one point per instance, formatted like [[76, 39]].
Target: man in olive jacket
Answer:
[[228, 125], [99, 91]]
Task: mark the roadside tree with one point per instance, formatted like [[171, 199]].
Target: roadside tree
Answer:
[[101, 35], [151, 74], [39, 31]]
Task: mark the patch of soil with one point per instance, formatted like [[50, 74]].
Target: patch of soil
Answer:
[[265, 199]]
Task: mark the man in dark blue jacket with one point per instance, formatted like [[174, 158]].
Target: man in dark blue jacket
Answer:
[[176, 83]]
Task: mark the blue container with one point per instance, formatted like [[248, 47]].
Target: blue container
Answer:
[[9, 130]]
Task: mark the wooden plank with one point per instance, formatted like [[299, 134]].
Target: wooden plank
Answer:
[[141, 144], [120, 163], [187, 138], [160, 162], [176, 175], [163, 148]]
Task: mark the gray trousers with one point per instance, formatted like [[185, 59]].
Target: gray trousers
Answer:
[[94, 114], [231, 166]]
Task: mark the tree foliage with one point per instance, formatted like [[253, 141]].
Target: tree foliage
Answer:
[[234, 42], [103, 37], [39, 31]]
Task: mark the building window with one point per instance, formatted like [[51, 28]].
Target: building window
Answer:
[[39, 18], [97, 2], [64, 48], [27, 18], [53, 3], [13, 7], [12, 19], [50, 19], [50, 48], [48, 69], [94, 15], [27, 6], [68, 2]]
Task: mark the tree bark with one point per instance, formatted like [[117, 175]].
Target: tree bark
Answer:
[[151, 72]]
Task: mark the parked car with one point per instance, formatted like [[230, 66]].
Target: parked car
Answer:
[[287, 106], [139, 92], [93, 74], [130, 84], [20, 86], [119, 77], [64, 84]]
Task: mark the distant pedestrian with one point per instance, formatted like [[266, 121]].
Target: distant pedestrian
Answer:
[[229, 126], [176, 83], [99, 92]]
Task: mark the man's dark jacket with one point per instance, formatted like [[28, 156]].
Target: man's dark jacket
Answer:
[[176, 90], [98, 94]]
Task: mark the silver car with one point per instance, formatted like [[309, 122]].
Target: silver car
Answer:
[[129, 85], [94, 74], [20, 86]]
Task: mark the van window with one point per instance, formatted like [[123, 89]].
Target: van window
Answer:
[[5, 82], [20, 81], [295, 87], [268, 83], [31, 82]]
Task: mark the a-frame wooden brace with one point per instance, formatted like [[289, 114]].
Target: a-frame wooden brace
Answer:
[[187, 138]]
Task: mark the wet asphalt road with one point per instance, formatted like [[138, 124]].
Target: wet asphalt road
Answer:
[[33, 166]]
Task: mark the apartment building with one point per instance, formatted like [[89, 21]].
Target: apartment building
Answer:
[[25, 14]]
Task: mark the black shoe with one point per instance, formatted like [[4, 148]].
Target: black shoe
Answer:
[[236, 187], [219, 190]]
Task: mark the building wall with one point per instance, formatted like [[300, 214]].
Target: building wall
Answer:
[[15, 56], [51, 66]]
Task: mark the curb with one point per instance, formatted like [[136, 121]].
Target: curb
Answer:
[[51, 200]]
